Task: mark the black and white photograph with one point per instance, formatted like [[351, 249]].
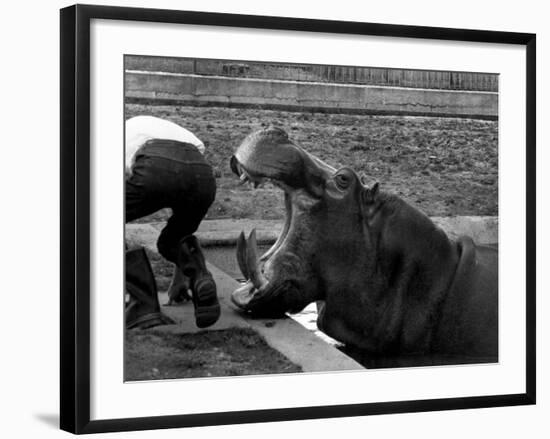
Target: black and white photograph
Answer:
[[286, 218], [278, 218]]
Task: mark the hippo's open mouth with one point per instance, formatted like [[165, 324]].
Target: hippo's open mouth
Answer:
[[262, 291], [277, 281]]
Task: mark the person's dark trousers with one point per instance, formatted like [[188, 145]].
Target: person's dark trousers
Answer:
[[142, 308], [205, 298], [170, 174], [175, 175]]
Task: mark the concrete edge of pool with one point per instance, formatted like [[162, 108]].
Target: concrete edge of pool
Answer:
[[224, 232], [287, 336]]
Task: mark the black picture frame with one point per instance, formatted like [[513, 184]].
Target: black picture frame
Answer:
[[75, 217]]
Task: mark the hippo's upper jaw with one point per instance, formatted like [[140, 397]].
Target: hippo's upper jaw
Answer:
[[270, 155]]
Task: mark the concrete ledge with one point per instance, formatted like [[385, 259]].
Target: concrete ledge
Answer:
[[482, 229], [369, 99]]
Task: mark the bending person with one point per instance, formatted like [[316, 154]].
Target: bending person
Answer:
[[165, 168]]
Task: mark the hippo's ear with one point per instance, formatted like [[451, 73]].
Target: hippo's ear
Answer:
[[369, 195], [369, 201]]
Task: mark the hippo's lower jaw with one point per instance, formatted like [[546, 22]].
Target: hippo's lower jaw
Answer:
[[265, 302], [259, 295]]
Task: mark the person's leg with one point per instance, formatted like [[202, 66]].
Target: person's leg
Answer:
[[169, 245], [189, 202], [142, 307], [203, 287], [181, 224], [178, 245]]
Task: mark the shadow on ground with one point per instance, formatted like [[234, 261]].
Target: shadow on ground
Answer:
[[49, 419]]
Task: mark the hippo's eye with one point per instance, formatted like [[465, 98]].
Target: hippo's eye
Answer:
[[342, 180]]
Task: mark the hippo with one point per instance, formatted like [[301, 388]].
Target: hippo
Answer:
[[387, 281]]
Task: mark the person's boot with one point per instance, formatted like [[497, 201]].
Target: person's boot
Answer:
[[142, 308], [205, 298]]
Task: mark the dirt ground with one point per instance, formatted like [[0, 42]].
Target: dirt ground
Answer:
[[444, 166], [154, 355]]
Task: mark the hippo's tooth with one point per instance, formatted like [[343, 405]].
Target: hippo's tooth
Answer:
[[256, 276], [242, 295], [241, 255]]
